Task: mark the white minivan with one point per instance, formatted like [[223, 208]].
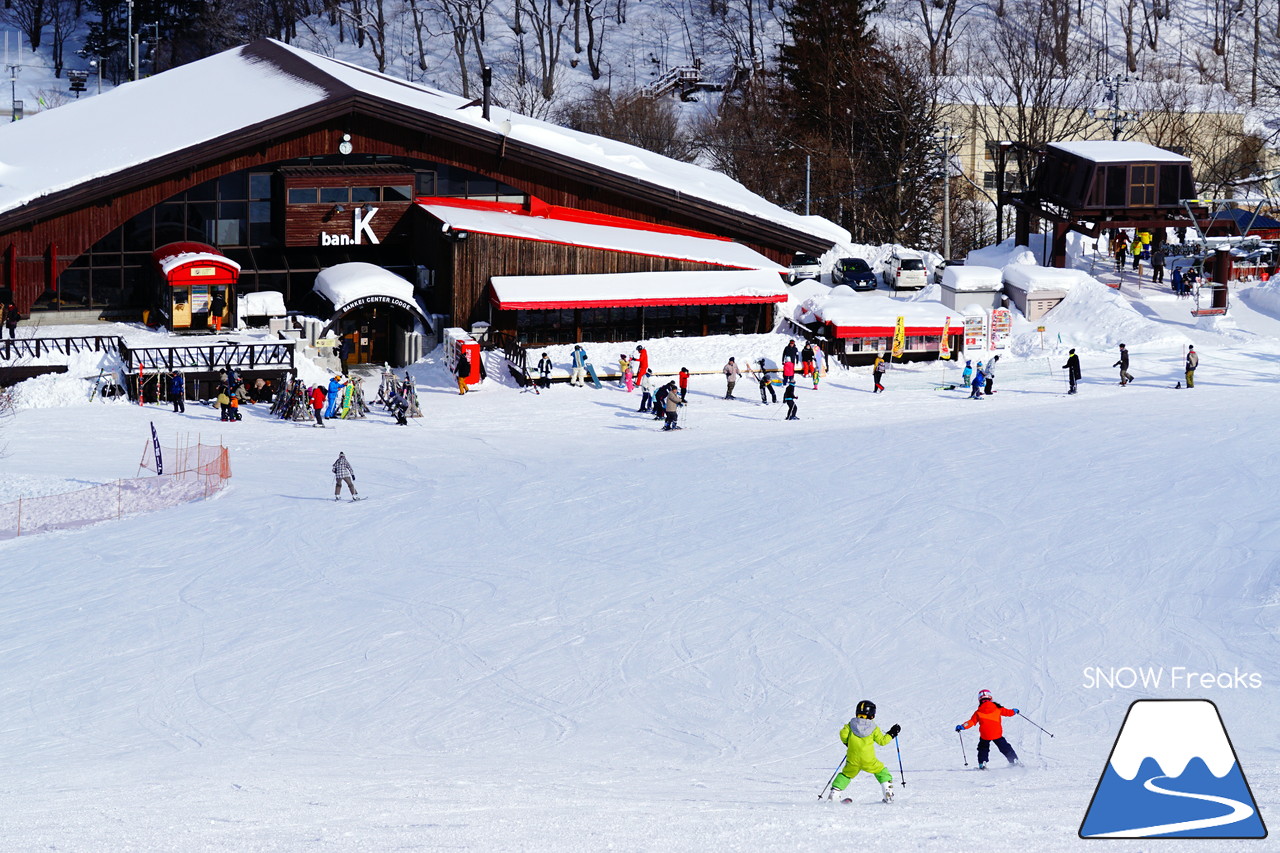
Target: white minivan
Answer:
[[904, 270]]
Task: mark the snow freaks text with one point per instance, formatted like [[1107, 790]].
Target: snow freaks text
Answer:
[[1173, 678]]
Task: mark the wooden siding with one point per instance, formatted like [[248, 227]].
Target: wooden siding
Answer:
[[482, 256], [41, 239]]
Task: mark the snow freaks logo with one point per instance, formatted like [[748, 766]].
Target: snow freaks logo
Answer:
[[1172, 773], [1157, 677]]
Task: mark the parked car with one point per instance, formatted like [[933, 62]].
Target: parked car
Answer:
[[854, 272], [804, 266], [937, 271], [905, 270]]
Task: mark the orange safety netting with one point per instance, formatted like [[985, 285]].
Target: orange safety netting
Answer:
[[191, 473]]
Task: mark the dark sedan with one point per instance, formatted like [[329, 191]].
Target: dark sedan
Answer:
[[854, 272]]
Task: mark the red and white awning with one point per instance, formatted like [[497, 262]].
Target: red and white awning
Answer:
[[637, 289]]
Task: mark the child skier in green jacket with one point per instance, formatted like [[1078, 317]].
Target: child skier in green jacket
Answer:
[[861, 735]]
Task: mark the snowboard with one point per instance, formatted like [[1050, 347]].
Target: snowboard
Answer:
[[591, 372]]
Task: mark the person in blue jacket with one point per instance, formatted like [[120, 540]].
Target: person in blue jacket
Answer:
[[578, 359], [178, 392], [335, 393], [979, 382]]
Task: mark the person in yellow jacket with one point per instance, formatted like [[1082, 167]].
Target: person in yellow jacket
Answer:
[[860, 735]]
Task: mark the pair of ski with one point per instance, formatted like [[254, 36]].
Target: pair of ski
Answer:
[[353, 500]]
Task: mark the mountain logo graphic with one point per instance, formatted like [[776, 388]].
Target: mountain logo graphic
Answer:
[[1172, 773]]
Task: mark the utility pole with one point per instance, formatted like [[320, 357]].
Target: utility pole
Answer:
[[1114, 115], [943, 144], [807, 171]]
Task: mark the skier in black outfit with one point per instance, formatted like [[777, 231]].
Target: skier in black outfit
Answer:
[[544, 368], [766, 387], [789, 397], [790, 353], [178, 392], [660, 401], [1073, 370], [1123, 364]]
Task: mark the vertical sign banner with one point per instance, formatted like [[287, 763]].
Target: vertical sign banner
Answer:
[[155, 443], [944, 346], [900, 337]]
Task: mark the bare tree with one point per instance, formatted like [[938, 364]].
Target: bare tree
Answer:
[[548, 20], [940, 19], [63, 18], [30, 17]]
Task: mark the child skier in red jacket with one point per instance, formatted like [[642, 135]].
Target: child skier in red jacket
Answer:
[[990, 729]]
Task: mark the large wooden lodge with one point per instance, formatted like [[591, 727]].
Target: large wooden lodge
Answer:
[[288, 163]]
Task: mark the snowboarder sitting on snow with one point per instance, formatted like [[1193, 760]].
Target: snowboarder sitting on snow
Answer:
[[343, 473], [990, 729], [860, 735]]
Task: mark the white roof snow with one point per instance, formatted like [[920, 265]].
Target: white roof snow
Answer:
[[345, 283], [262, 303], [724, 287], [879, 311], [977, 279], [169, 263], [1105, 151], [631, 240], [1029, 279], [218, 96]]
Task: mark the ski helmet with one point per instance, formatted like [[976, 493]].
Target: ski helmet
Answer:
[[866, 709], [984, 695]]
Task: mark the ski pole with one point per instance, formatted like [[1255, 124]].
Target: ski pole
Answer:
[[826, 789], [1034, 723], [963, 754], [901, 773]]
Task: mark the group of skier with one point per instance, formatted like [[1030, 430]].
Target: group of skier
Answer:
[[861, 735]]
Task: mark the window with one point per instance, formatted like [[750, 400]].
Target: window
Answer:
[[302, 195], [402, 193], [1142, 186], [333, 195], [363, 194], [259, 187]]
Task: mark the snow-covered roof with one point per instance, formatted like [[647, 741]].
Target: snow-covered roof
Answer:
[[218, 97], [700, 287], [345, 283], [1031, 278], [171, 262], [1107, 151], [636, 241], [967, 279], [872, 313]]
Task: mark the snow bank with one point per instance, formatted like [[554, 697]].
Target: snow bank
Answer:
[[1092, 316], [60, 390], [1000, 255], [975, 278], [1031, 278]]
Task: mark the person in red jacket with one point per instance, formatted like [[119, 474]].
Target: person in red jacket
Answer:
[[318, 399], [990, 729]]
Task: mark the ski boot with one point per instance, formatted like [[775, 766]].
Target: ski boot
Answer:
[[887, 789], [982, 765]]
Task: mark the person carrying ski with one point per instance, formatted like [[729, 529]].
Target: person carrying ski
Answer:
[[789, 397], [990, 729], [991, 374], [178, 392], [646, 391], [343, 473], [1123, 364], [877, 373], [578, 376], [1193, 361], [544, 370], [317, 402], [766, 386], [979, 382], [967, 375], [861, 735], [671, 407], [731, 374], [1073, 370]]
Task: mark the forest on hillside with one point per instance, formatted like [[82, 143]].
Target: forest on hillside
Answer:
[[832, 106]]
